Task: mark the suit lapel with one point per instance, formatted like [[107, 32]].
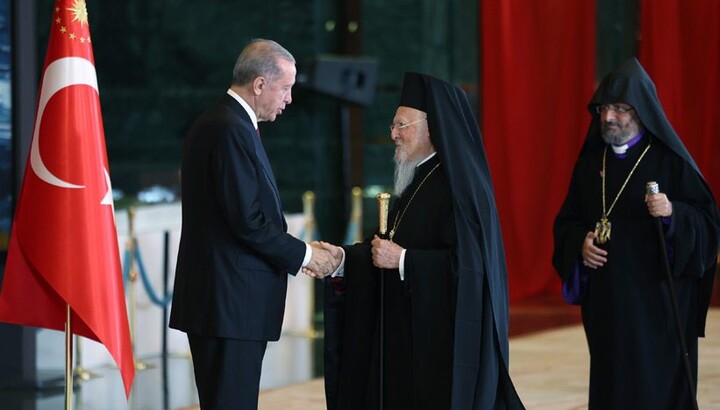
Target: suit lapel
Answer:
[[259, 149]]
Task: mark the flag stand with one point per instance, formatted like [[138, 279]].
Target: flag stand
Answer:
[[68, 361], [81, 372]]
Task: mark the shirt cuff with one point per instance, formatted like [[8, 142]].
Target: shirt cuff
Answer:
[[308, 256], [401, 266], [340, 272]]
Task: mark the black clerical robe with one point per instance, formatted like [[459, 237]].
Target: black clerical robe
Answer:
[[635, 357], [447, 322], [418, 311]]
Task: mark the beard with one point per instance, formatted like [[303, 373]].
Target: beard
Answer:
[[404, 173], [618, 135]]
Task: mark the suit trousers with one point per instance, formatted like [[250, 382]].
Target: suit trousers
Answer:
[[227, 371]]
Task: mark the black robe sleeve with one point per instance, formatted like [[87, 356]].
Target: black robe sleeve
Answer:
[[570, 229]]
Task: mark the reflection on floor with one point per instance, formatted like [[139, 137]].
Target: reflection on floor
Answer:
[[540, 313], [169, 384], [548, 365]]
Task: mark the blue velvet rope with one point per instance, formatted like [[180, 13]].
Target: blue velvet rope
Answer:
[[143, 275]]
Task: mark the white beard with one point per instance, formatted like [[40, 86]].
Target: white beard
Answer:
[[404, 173]]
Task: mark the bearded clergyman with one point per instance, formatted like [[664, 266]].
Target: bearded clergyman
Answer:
[[613, 236], [444, 301]]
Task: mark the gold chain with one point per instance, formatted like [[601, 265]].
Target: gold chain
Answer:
[[399, 216], [603, 228], [606, 214]]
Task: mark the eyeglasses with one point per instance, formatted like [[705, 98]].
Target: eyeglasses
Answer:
[[399, 126], [618, 109]]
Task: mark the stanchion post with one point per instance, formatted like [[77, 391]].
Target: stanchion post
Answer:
[[166, 275], [131, 247], [356, 214], [310, 226], [81, 372], [309, 216]]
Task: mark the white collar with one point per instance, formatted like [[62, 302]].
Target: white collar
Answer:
[[619, 149], [245, 105], [426, 159]]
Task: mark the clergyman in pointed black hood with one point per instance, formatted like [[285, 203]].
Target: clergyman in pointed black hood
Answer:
[[608, 253], [445, 281]]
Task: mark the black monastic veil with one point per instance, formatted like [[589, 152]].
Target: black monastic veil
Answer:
[[472, 277]]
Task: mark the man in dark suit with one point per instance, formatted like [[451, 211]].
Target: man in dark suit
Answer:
[[235, 253]]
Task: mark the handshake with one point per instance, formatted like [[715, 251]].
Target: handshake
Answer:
[[325, 260], [326, 257]]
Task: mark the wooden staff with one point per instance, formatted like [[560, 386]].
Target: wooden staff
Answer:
[[652, 188], [383, 199]]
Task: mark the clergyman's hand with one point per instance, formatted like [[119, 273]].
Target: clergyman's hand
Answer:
[[385, 253], [658, 205], [324, 261], [592, 256]]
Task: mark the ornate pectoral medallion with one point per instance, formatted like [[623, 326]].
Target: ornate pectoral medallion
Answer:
[[602, 230]]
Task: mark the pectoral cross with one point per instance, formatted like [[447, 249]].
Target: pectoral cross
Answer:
[[602, 229]]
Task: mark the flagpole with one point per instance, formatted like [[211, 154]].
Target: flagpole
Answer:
[[68, 361]]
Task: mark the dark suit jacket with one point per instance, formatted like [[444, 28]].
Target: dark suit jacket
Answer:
[[235, 253]]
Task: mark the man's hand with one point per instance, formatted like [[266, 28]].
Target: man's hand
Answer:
[[658, 204], [324, 261], [385, 254], [593, 257]]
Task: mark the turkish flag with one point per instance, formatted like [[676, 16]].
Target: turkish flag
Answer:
[[63, 246]]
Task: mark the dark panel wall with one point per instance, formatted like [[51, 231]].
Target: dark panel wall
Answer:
[[434, 37], [161, 63]]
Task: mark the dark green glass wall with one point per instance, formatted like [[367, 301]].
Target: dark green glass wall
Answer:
[[618, 32], [161, 63]]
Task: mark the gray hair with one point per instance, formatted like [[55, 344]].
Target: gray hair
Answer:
[[259, 59]]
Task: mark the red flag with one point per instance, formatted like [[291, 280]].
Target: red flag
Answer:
[[63, 246]]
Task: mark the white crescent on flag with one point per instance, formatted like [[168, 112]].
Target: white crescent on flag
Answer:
[[61, 73]]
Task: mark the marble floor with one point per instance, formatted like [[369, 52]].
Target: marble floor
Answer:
[[549, 367]]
